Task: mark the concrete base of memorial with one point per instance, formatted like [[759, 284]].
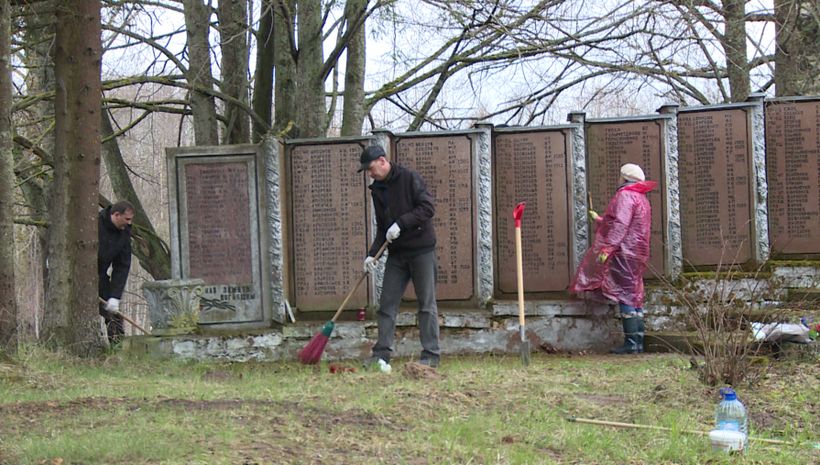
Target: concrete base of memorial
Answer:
[[560, 326], [552, 325]]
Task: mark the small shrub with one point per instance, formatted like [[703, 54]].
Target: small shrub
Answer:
[[719, 308]]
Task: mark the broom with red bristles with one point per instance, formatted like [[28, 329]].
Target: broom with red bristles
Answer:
[[312, 352]]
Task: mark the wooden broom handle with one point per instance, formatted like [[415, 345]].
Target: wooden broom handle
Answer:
[[358, 283]]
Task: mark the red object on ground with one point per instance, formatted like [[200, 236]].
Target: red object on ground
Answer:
[[334, 368]]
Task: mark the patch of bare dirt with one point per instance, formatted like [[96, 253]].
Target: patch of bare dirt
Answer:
[[415, 370], [22, 413], [603, 399]]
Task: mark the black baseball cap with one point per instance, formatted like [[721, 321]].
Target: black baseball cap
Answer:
[[370, 153]]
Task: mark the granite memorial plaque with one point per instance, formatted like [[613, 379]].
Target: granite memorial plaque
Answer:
[[329, 220], [611, 144], [715, 186], [219, 223], [793, 171], [217, 232], [445, 164], [531, 167]]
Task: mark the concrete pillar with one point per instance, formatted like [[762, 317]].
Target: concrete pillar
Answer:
[[580, 206], [271, 150], [483, 183], [673, 265], [760, 189]]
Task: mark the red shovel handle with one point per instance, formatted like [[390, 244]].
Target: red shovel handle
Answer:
[[518, 212]]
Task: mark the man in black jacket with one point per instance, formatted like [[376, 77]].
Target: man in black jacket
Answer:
[[114, 252], [404, 218]]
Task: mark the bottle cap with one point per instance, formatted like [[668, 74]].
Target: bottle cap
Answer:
[[728, 393]]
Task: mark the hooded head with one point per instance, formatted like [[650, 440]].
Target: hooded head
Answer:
[[632, 172]]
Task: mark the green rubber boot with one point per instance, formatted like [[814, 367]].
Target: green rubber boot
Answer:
[[640, 333], [630, 345]]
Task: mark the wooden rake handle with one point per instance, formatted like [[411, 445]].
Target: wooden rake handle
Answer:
[[129, 320], [358, 283]]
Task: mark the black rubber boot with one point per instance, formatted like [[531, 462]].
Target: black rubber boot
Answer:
[[630, 345], [640, 333]]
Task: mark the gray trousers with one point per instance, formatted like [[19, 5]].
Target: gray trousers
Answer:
[[398, 272]]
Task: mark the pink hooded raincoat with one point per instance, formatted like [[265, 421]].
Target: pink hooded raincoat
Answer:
[[623, 232]]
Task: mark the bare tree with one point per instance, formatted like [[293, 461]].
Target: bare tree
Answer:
[[203, 105], [233, 40], [284, 44], [353, 112], [8, 302], [72, 320], [311, 115], [797, 59], [263, 75]]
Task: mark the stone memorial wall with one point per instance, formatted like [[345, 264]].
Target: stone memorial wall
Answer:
[[793, 171], [614, 142], [710, 208], [218, 234], [532, 166], [329, 218], [446, 164], [715, 185]]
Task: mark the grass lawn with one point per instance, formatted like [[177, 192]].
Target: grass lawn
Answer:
[[477, 410]]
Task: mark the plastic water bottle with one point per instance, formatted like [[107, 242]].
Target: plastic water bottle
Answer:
[[731, 414]]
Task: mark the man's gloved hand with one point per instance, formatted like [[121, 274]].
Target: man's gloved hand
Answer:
[[112, 305], [593, 215], [393, 232], [370, 264], [602, 257]]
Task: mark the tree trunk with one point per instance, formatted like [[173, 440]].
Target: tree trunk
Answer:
[[153, 254], [38, 34], [203, 107], [263, 77], [233, 30], [353, 112], [797, 57], [72, 319], [311, 116], [8, 302], [734, 45], [284, 23]]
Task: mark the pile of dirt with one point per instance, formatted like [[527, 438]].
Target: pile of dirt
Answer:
[[415, 370]]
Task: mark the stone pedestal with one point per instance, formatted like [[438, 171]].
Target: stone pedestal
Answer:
[[173, 305]]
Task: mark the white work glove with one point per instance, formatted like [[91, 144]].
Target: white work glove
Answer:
[[393, 232], [113, 305], [370, 264]]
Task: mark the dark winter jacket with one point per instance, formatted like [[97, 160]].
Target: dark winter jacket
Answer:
[[115, 251], [403, 198]]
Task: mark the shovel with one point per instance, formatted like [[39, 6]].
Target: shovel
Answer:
[[518, 212]]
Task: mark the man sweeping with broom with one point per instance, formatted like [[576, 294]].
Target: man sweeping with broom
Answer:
[[404, 218]]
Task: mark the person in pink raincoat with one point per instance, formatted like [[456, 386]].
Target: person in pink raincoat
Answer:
[[613, 267]]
